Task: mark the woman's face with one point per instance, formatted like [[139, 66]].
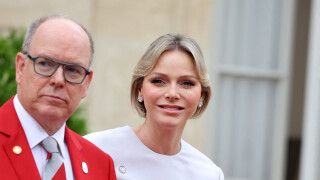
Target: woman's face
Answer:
[[171, 91]]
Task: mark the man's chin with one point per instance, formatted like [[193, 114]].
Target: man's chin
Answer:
[[54, 113]]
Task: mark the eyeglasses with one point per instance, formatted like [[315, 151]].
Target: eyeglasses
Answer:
[[46, 66]]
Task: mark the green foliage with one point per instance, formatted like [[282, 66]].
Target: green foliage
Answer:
[[77, 122], [9, 46]]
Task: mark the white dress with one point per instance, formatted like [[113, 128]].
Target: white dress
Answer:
[[133, 160]]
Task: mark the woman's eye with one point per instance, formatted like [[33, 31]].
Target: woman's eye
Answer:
[[187, 83], [157, 81]]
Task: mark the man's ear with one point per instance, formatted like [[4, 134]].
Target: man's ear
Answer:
[[89, 76], [20, 64]]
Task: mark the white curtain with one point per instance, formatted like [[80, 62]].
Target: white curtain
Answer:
[[251, 77]]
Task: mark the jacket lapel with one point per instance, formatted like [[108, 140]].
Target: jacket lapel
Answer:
[[23, 162], [17, 147], [75, 148]]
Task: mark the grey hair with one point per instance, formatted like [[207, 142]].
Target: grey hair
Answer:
[[34, 26], [165, 43]]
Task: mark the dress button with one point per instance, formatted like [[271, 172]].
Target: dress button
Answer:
[[122, 169]]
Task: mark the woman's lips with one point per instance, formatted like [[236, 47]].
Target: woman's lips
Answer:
[[171, 107]]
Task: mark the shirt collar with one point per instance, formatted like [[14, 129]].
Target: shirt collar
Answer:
[[34, 132], [59, 136]]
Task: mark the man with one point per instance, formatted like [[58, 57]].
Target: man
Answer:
[[53, 75]]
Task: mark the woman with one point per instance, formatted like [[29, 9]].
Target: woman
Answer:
[[169, 86]]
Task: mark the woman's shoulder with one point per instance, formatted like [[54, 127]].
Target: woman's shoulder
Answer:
[[197, 157], [110, 136]]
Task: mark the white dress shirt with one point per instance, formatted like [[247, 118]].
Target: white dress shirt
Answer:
[[35, 134]]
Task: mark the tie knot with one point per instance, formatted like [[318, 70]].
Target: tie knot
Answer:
[[50, 145]]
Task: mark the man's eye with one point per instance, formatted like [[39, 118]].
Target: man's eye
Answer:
[[71, 69], [46, 63], [43, 63]]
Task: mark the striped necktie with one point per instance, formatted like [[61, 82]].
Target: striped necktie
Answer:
[[54, 161]]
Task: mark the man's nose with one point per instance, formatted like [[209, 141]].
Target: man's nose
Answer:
[[57, 79]]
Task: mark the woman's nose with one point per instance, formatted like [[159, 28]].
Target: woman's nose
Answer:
[[172, 93]]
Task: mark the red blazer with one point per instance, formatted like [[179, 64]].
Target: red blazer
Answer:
[[22, 166]]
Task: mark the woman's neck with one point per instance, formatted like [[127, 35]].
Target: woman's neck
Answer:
[[160, 140]]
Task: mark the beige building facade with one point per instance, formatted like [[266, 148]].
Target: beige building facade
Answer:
[[262, 56]]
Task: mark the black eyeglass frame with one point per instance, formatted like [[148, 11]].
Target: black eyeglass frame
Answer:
[[87, 72]]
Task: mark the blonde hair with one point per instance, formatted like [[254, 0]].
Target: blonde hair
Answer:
[[165, 43]]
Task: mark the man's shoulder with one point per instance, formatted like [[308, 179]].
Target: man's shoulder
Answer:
[[100, 163], [9, 121], [86, 145], [7, 107]]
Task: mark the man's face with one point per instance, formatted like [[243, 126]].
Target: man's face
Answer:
[[52, 100]]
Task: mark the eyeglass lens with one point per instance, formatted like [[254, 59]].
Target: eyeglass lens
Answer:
[[72, 73]]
